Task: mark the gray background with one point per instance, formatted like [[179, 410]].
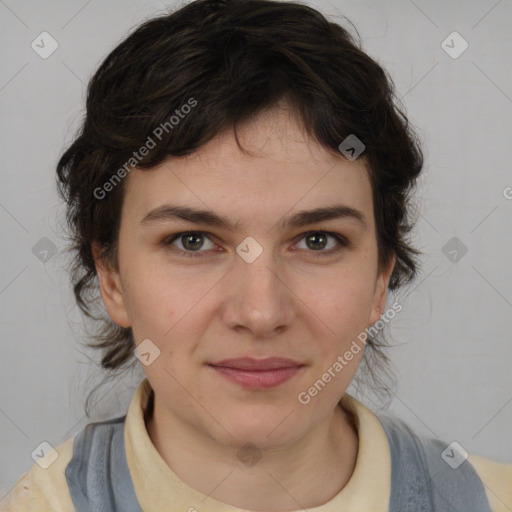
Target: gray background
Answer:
[[453, 362]]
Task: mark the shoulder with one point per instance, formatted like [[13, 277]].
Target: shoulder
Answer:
[[453, 474], [497, 479], [42, 489], [45, 486]]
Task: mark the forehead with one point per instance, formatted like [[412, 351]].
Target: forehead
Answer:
[[284, 171]]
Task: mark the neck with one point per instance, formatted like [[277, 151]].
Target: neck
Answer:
[[307, 474]]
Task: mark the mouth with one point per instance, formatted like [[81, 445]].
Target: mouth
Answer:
[[257, 373]]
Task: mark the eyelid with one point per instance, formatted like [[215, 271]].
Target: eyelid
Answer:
[[343, 242]]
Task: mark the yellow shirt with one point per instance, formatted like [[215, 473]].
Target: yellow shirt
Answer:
[[158, 488]]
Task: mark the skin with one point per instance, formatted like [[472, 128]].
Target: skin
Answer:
[[292, 302]]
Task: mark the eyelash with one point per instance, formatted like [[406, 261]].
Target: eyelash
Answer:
[[167, 242]]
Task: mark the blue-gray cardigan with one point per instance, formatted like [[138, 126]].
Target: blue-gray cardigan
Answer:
[[421, 481]]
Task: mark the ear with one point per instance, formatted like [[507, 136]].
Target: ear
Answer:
[[111, 289], [381, 289]]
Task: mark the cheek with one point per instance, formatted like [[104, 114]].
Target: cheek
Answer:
[[151, 304], [347, 299], [352, 306], [167, 306], [345, 310]]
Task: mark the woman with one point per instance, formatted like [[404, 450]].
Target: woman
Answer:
[[240, 190]]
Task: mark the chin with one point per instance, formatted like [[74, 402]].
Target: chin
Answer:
[[265, 429]]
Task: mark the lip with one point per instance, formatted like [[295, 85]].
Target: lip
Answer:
[[250, 363], [257, 373]]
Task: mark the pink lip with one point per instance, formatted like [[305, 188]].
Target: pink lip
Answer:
[[254, 373]]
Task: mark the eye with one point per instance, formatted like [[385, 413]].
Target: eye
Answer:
[[190, 241], [317, 241]]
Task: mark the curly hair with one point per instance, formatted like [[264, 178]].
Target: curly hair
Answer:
[[234, 58]]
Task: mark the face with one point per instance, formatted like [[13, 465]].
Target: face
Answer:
[[270, 281]]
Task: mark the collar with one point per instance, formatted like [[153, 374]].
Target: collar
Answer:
[[158, 488]]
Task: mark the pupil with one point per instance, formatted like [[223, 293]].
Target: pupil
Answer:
[[316, 237], [194, 245]]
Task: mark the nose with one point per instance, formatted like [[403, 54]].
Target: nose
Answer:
[[258, 299]]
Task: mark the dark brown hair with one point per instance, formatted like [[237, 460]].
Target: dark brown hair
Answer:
[[233, 58]]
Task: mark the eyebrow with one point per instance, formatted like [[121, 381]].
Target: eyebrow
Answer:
[[168, 212]]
